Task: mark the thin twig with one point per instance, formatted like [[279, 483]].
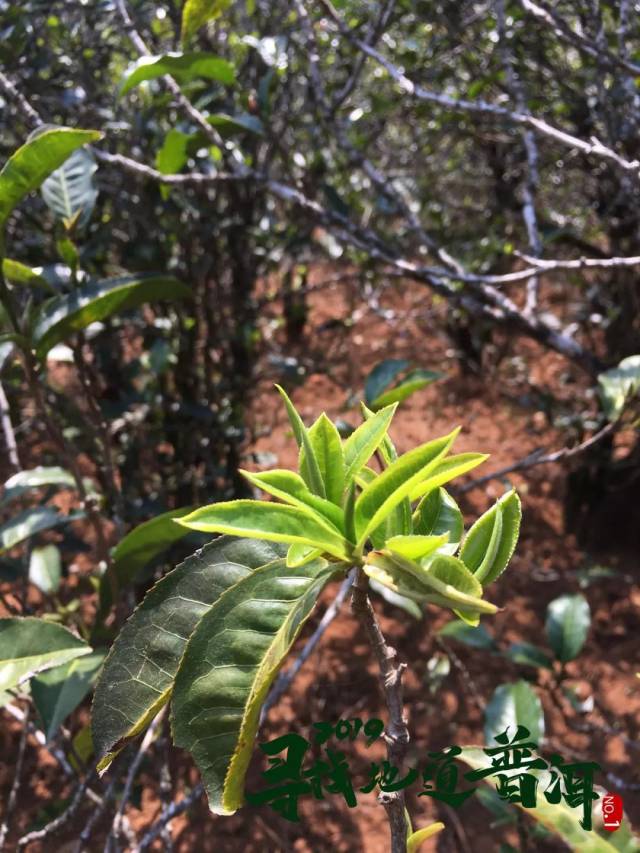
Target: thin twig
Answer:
[[41, 739], [530, 186], [95, 816], [478, 107], [53, 826], [147, 740], [563, 30], [538, 457], [9, 434], [30, 114], [168, 815], [17, 778]]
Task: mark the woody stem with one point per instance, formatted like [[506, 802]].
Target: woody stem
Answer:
[[396, 733]]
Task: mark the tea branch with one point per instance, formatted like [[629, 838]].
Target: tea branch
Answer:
[[17, 780], [539, 457], [396, 733], [9, 434], [593, 147], [168, 815]]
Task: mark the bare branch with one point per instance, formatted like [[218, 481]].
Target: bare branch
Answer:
[[168, 815], [147, 740], [53, 826], [593, 147], [189, 179], [530, 187], [31, 115], [9, 434], [17, 779], [542, 12], [538, 457]]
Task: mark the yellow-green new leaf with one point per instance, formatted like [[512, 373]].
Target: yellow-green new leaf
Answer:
[[446, 470], [327, 447], [300, 555], [416, 547], [292, 489], [491, 541], [270, 521], [416, 839], [196, 13], [228, 667], [28, 167], [444, 581], [24, 276], [139, 672], [365, 440], [396, 483], [437, 514], [309, 468], [29, 646], [61, 316]]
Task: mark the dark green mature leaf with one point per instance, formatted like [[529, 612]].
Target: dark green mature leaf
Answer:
[[436, 514], [45, 568], [196, 13], [528, 654], [491, 541], [568, 621], [140, 669], [477, 638], [514, 705], [30, 522], [23, 481], [62, 315], [70, 191], [58, 692], [182, 66], [291, 488], [381, 377], [28, 167], [29, 645], [229, 665], [241, 123], [138, 548], [365, 440], [270, 521], [387, 491]]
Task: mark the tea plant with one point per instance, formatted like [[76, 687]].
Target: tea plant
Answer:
[[212, 634]]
